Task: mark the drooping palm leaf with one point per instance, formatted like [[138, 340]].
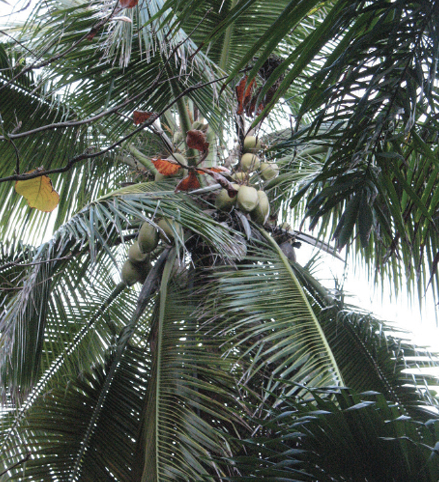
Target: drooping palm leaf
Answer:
[[342, 436], [110, 451], [372, 99], [274, 340], [92, 231], [189, 399], [181, 426], [370, 355]]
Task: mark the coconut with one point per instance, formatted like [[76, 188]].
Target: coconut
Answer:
[[247, 198], [199, 126], [240, 176], [269, 170], [224, 202], [178, 137], [168, 229], [131, 273], [159, 177], [148, 238], [250, 162], [251, 144], [262, 210], [135, 255], [285, 226]]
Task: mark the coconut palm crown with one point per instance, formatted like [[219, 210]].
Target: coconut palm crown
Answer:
[[156, 327]]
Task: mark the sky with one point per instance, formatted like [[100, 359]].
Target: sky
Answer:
[[13, 6]]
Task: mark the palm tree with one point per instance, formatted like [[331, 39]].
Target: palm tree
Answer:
[[212, 367]]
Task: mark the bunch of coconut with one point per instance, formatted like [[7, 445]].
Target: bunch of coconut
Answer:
[[137, 266], [249, 199], [250, 162]]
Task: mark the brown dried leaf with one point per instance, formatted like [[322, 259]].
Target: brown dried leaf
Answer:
[[243, 94], [139, 116], [128, 3], [189, 182], [223, 182], [166, 167], [197, 140], [219, 169], [92, 34]]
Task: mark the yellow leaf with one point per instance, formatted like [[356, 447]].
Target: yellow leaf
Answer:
[[39, 193]]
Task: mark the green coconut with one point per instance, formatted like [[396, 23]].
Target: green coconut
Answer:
[[262, 210], [168, 229], [251, 144], [148, 238], [135, 255], [159, 177], [247, 198], [199, 126], [131, 273], [240, 176], [285, 226], [178, 137], [224, 202], [249, 162], [269, 170]]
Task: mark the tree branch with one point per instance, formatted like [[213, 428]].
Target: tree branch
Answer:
[[59, 125]]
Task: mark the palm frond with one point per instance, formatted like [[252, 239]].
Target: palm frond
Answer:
[[189, 399], [90, 101], [183, 395], [370, 354], [26, 105], [274, 340], [54, 446], [342, 435], [87, 235]]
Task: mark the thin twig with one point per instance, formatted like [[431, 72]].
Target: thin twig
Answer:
[[61, 125], [15, 13], [155, 83], [18, 42], [15, 263]]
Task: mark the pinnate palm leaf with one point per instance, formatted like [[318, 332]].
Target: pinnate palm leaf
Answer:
[[359, 436], [93, 231]]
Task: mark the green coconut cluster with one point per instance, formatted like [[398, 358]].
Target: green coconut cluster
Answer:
[[250, 162], [249, 199], [137, 266]]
